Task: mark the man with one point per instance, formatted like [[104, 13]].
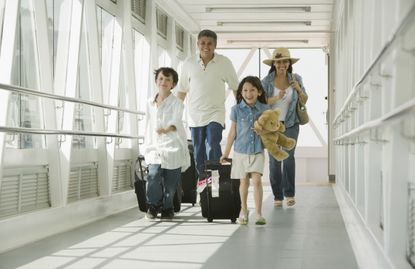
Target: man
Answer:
[[203, 80]]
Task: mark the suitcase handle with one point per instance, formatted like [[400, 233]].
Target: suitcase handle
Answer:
[[215, 165]]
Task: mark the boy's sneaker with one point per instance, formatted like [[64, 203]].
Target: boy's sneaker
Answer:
[[290, 201], [167, 213], [151, 213]]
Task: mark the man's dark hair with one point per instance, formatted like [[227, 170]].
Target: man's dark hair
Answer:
[[208, 33], [167, 71]]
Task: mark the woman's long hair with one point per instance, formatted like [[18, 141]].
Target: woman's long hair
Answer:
[[254, 81]]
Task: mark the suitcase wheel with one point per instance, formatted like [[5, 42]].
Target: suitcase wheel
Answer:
[[233, 220], [210, 219]]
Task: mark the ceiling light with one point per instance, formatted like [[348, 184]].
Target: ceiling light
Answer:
[[268, 8], [221, 23], [304, 41]]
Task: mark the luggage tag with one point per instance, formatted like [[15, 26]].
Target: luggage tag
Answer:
[[141, 168], [215, 183], [202, 183]]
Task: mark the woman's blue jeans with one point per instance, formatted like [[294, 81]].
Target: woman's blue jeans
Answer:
[[161, 186], [206, 144], [282, 179]]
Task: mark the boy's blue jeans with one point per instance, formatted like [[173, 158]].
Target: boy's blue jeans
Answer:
[[282, 179], [206, 144], [161, 186]]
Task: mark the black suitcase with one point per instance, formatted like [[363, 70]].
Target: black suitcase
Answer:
[[189, 179], [228, 204], [140, 184]]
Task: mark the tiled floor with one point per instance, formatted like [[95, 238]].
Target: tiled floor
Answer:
[[309, 235]]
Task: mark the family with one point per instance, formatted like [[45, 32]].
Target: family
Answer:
[[202, 82]]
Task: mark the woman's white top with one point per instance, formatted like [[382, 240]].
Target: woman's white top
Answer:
[[170, 149], [284, 102]]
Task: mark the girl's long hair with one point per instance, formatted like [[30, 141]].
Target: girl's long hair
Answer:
[[254, 81]]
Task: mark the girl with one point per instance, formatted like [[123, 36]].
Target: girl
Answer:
[[284, 89], [248, 156]]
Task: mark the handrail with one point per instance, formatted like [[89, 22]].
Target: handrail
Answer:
[[408, 18], [65, 98], [401, 110], [64, 132]]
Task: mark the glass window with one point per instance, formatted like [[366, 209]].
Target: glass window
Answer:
[[2, 4], [164, 57], [123, 123], [313, 69], [53, 12], [106, 26], [83, 120], [142, 73], [25, 110]]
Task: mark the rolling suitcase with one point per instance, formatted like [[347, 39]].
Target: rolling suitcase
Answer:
[[189, 179], [140, 184], [220, 198]]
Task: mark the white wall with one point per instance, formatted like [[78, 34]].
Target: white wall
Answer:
[[373, 126]]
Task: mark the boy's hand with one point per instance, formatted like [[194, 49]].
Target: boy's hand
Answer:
[[166, 130], [161, 131]]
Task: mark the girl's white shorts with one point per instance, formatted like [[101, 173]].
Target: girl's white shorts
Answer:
[[243, 164]]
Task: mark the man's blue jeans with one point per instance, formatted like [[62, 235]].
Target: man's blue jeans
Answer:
[[282, 179], [161, 186], [210, 136]]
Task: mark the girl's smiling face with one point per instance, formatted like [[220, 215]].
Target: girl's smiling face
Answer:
[[250, 93]]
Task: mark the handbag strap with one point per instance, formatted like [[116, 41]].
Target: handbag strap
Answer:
[[298, 96]]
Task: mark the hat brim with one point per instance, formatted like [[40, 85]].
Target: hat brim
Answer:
[[270, 61]]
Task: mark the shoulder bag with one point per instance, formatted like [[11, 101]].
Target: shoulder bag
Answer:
[[301, 110]]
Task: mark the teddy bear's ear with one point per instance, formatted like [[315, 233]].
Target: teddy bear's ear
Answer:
[[277, 112], [261, 120]]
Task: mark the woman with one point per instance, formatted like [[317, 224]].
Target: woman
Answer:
[[283, 89]]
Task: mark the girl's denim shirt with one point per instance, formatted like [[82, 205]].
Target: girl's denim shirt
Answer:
[[268, 83], [246, 140]]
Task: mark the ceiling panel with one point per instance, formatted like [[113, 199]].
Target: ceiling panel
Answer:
[[268, 22]]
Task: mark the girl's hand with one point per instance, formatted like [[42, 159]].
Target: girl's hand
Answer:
[[258, 132], [223, 158]]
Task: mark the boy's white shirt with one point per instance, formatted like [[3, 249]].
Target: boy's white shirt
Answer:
[[170, 149]]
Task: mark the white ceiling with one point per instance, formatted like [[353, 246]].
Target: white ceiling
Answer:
[[263, 23]]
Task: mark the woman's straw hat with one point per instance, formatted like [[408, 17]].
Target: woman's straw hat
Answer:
[[280, 54]]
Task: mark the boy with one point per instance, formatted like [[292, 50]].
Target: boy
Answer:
[[165, 147]]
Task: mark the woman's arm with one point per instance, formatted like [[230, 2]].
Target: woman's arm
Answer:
[[229, 142], [297, 84]]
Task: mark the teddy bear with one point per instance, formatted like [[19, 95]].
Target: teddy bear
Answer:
[[270, 129]]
